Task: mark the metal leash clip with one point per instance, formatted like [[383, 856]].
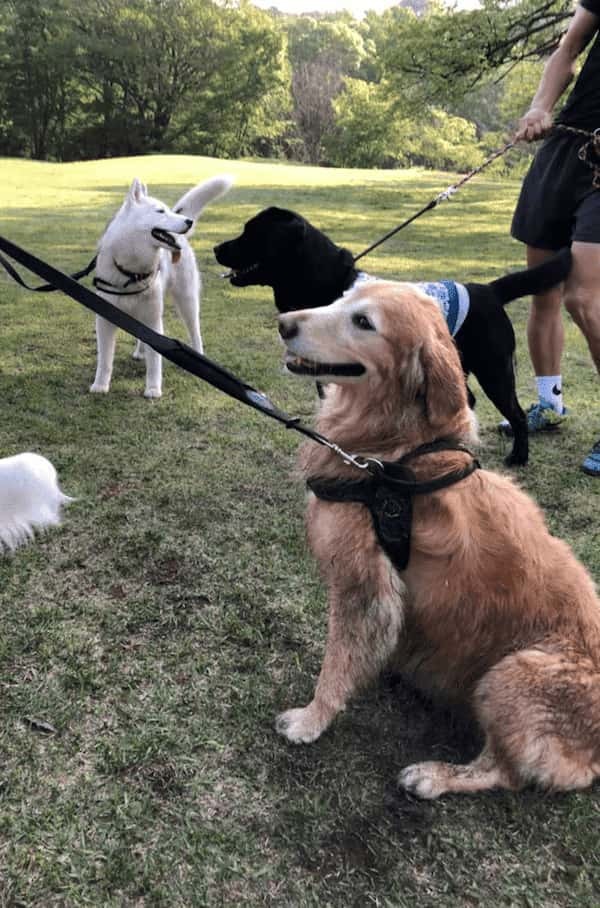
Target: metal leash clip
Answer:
[[355, 460]]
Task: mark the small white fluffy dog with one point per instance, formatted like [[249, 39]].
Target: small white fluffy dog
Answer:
[[143, 254], [30, 498]]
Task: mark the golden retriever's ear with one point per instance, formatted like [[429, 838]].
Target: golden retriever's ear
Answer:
[[444, 381]]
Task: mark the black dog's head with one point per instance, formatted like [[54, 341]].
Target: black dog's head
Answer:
[[281, 249], [255, 256]]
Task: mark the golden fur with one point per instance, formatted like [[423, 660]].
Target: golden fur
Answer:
[[491, 609]]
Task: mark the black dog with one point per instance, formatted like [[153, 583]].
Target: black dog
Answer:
[[282, 250]]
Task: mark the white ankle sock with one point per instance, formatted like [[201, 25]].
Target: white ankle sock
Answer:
[[549, 388]]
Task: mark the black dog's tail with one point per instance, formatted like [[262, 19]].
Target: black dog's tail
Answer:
[[533, 280]]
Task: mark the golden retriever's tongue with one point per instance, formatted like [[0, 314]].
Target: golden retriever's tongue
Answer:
[[176, 255]]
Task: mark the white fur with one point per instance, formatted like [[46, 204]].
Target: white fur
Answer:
[[128, 241], [30, 498]]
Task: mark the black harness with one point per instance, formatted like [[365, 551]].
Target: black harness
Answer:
[[388, 494], [132, 278]]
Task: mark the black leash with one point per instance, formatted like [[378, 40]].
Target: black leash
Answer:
[[446, 194], [45, 288], [170, 348]]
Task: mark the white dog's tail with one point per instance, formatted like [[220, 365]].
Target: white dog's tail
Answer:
[[30, 498], [195, 200]]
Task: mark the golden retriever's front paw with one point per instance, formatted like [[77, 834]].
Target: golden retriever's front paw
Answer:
[[300, 726], [423, 780]]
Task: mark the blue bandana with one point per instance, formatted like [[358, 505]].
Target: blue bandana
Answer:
[[452, 298]]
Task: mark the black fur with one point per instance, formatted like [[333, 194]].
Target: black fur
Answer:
[[282, 250]]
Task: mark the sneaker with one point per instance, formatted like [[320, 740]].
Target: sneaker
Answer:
[[591, 464], [541, 417]]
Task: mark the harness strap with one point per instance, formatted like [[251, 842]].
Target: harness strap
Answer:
[[389, 493], [132, 278], [401, 480]]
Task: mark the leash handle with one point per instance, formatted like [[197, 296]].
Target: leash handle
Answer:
[[441, 197], [44, 288]]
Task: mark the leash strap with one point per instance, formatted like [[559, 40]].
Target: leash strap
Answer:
[[45, 288], [442, 197], [591, 146], [174, 350]]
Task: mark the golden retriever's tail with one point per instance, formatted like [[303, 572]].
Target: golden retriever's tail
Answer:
[[533, 280]]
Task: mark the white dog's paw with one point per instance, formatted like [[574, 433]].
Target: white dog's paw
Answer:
[[98, 388], [300, 726], [153, 393], [138, 354], [423, 780]]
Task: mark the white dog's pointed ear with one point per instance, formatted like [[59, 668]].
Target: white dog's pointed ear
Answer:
[[137, 191]]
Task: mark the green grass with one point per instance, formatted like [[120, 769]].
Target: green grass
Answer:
[[176, 611]]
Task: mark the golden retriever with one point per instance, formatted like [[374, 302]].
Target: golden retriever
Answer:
[[491, 608]]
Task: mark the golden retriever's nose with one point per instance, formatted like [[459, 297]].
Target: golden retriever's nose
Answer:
[[288, 328]]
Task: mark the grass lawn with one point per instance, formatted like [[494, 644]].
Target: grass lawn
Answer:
[[176, 611]]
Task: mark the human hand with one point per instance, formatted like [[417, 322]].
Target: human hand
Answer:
[[533, 125]]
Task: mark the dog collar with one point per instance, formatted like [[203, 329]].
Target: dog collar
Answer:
[[132, 278], [388, 493]]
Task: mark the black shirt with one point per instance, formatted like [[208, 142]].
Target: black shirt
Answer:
[[582, 108]]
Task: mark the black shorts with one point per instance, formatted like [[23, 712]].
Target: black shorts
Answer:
[[558, 204]]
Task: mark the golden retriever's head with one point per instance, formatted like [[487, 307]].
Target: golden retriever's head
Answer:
[[388, 338]]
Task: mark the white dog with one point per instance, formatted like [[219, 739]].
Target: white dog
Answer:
[[143, 254], [30, 498]]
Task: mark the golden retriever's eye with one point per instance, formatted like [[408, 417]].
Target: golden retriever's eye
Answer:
[[362, 322]]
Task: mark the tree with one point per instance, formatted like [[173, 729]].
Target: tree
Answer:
[[246, 101], [38, 70], [178, 74], [321, 52], [441, 57], [369, 133]]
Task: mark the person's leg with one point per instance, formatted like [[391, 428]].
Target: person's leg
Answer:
[[582, 294], [582, 300], [545, 337]]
